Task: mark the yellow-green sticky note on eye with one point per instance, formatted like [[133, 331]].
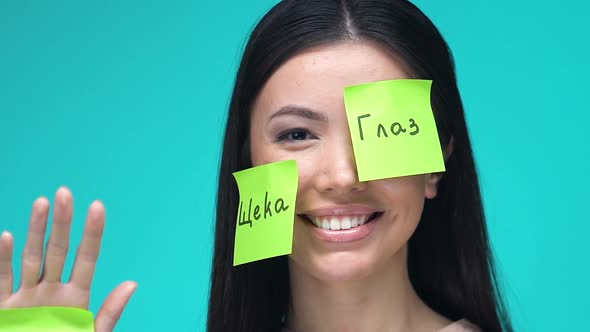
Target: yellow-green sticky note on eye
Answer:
[[46, 319], [266, 211], [393, 129]]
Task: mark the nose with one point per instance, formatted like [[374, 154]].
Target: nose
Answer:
[[337, 171]]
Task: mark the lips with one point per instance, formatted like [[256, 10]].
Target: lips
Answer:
[[341, 217], [342, 225], [341, 222]]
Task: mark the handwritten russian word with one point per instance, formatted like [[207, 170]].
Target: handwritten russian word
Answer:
[[268, 208], [395, 128]]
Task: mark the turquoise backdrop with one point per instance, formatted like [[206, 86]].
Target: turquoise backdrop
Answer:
[[125, 101]]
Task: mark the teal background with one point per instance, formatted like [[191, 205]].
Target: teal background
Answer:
[[125, 101]]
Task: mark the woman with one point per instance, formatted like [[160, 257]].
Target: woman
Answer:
[[427, 261], [424, 263]]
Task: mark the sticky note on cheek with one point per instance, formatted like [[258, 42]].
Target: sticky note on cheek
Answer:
[[266, 212], [393, 129], [46, 319]]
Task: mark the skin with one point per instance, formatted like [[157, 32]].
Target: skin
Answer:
[[358, 286], [48, 289]]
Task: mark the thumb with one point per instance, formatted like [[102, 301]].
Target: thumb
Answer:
[[113, 306]]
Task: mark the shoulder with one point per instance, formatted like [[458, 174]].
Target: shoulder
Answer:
[[462, 325]]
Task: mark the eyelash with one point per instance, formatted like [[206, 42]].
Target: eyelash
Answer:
[[284, 136]]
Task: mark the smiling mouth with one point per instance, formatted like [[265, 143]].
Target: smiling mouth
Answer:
[[341, 222]]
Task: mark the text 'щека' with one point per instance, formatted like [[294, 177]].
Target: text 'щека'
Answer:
[[279, 206]]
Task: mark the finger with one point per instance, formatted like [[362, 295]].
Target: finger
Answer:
[[89, 249], [59, 240], [33, 253], [6, 244], [113, 306]]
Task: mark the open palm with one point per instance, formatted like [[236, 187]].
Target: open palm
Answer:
[[41, 283]]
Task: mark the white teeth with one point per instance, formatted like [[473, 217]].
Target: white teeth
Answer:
[[345, 223], [317, 221], [362, 220], [339, 222], [354, 221], [334, 224]]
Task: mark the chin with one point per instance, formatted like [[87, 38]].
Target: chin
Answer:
[[336, 266]]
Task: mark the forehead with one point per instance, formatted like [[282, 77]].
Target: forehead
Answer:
[[316, 78]]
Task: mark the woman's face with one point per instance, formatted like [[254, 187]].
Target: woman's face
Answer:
[[300, 115]]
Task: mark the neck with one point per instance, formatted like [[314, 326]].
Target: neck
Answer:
[[382, 301]]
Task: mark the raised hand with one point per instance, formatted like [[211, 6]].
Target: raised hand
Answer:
[[41, 283]]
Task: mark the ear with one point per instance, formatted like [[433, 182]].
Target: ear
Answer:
[[433, 178]]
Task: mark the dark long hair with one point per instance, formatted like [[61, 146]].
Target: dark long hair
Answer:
[[450, 262]]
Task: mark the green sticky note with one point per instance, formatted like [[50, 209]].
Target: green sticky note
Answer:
[[46, 319], [266, 211], [393, 129]]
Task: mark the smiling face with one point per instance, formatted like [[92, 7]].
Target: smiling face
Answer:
[[344, 229]]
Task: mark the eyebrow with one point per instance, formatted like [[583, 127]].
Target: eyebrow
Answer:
[[300, 111]]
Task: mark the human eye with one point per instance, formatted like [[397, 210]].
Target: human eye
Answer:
[[295, 135]]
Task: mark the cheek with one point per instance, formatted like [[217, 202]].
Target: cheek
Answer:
[[259, 152], [306, 167], [403, 188], [263, 153], [405, 197]]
